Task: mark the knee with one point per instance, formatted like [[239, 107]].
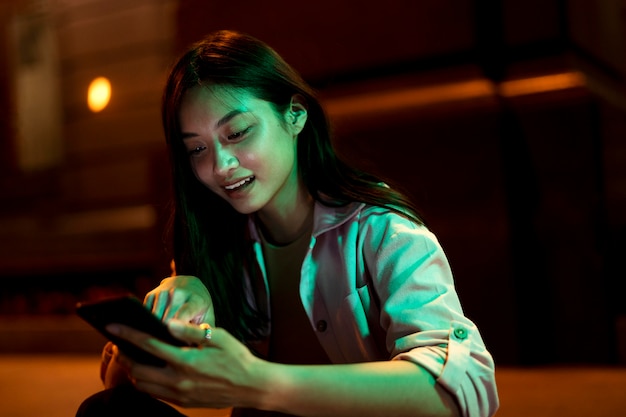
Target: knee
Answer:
[[121, 401], [99, 404]]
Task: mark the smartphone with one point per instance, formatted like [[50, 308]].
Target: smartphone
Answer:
[[130, 311]]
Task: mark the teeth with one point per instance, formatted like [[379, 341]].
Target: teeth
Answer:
[[238, 184]]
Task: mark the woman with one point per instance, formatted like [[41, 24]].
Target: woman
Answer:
[[327, 294]]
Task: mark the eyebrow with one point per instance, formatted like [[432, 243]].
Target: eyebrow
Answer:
[[229, 116]]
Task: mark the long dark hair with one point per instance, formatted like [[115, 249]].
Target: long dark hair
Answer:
[[209, 235]]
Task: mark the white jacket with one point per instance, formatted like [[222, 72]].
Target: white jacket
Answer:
[[377, 286]]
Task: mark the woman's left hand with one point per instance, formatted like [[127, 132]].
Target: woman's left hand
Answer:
[[216, 373]]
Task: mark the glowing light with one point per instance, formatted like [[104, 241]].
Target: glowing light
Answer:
[[99, 94], [471, 89], [542, 84], [410, 97]]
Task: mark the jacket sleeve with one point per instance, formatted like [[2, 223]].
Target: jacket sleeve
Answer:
[[421, 313]]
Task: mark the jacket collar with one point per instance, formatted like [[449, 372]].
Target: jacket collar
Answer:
[[330, 217], [325, 218]]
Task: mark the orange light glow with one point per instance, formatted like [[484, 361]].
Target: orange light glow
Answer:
[[99, 94], [468, 90], [411, 97], [542, 84]]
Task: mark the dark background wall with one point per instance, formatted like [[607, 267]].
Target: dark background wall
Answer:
[[526, 187]]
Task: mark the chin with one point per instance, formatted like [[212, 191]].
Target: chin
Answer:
[[244, 208]]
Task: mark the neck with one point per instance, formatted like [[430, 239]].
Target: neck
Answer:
[[288, 221]]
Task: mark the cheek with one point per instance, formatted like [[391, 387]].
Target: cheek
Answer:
[[202, 170], [249, 160]]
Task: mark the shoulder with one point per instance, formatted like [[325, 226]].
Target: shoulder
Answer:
[[374, 221], [381, 227]]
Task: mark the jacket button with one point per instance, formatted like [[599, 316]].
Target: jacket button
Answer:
[[321, 326], [460, 333]]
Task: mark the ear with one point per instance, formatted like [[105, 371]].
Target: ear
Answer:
[[297, 114]]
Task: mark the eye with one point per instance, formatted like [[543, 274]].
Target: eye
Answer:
[[239, 135], [196, 151]]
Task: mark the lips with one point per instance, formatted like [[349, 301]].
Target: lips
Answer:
[[237, 185]]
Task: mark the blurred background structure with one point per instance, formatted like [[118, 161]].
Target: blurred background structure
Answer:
[[503, 119]]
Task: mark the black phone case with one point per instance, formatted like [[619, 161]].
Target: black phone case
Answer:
[[130, 311]]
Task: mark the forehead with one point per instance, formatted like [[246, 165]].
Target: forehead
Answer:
[[216, 98], [213, 106]]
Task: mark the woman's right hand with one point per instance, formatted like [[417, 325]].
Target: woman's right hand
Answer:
[[183, 297]]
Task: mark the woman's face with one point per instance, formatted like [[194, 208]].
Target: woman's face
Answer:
[[240, 148]]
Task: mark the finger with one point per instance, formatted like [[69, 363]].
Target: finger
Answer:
[[208, 332], [159, 391], [140, 339], [148, 301], [139, 373], [191, 333], [160, 304], [176, 300]]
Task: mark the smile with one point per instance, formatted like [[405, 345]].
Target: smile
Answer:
[[239, 184]]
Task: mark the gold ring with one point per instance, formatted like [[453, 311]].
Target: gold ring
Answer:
[[207, 330]]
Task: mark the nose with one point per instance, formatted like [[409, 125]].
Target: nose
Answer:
[[225, 162]]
